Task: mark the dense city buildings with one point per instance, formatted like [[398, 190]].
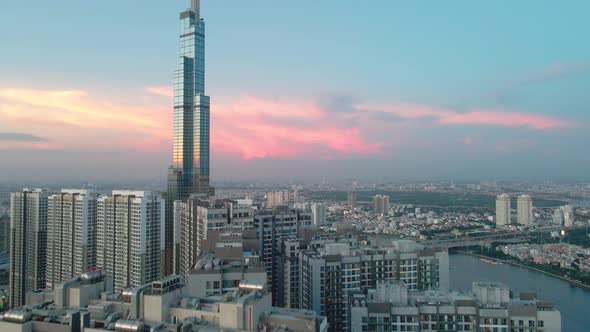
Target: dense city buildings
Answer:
[[89, 303], [71, 234], [28, 243], [381, 204], [391, 307], [272, 226], [503, 210], [318, 214], [130, 238], [332, 270], [189, 172], [196, 217], [524, 210]]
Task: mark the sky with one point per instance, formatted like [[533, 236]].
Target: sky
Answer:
[[300, 90]]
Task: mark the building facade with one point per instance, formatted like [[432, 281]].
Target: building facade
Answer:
[[71, 229], [503, 217], [524, 210], [28, 244], [130, 241], [189, 172]]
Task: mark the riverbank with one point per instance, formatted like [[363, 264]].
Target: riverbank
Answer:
[[503, 261]]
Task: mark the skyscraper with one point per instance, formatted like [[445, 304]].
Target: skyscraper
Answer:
[[524, 210], [28, 245], [503, 210], [189, 172], [130, 242], [71, 229]]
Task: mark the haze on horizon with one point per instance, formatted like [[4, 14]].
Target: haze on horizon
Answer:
[[299, 90]]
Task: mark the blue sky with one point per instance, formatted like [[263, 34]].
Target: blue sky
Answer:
[[342, 57]]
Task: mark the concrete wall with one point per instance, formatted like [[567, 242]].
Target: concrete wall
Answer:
[[12, 327]]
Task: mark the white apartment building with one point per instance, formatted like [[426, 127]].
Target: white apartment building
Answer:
[[503, 217], [524, 210], [130, 241], [318, 214], [71, 229], [381, 204]]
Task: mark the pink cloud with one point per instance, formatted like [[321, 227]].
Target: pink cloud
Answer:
[[256, 127], [505, 119], [165, 91], [467, 140], [494, 118]]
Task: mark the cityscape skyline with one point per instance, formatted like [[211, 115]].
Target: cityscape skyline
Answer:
[[515, 109]]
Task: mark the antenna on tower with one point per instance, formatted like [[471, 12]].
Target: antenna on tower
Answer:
[[196, 8]]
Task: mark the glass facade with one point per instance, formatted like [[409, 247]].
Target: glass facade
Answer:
[[189, 172]]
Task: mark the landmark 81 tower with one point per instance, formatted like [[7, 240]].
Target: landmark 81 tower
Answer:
[[189, 172]]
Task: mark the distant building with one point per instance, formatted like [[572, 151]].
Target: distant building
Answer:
[[28, 244], [352, 199], [390, 307], [503, 210], [71, 228], [381, 204], [558, 216], [569, 216], [278, 198], [524, 210], [130, 241], [318, 214]]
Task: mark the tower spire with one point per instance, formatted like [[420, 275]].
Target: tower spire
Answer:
[[196, 8]]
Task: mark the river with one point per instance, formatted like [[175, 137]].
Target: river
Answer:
[[573, 302]]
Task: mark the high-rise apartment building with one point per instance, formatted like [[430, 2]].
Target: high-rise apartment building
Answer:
[[71, 229], [503, 210], [4, 234], [330, 273], [524, 210], [28, 244], [352, 199], [318, 214], [130, 241], [278, 198], [569, 216], [381, 204], [195, 218], [272, 226], [189, 172]]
